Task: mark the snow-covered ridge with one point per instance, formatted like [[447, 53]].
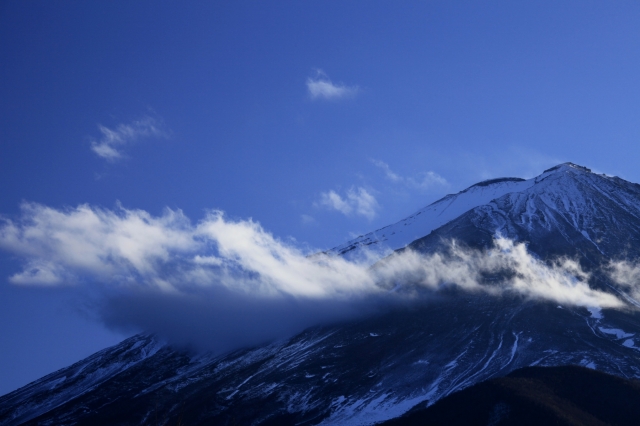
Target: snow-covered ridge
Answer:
[[377, 244], [561, 188], [59, 387], [574, 203]]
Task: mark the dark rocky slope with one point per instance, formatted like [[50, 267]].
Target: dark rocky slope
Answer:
[[563, 396]]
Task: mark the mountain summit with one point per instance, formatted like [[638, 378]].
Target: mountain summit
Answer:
[[565, 200], [378, 368]]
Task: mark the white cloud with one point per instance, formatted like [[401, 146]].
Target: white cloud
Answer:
[[424, 180], [110, 145], [393, 177], [168, 252], [321, 87], [39, 272], [627, 275], [562, 281], [93, 241], [132, 247], [356, 201]]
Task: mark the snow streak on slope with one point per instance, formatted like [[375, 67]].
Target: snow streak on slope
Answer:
[[377, 244], [358, 373], [572, 211], [84, 376]]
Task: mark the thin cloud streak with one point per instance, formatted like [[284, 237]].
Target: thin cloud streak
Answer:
[[356, 201], [321, 87], [424, 180], [110, 146]]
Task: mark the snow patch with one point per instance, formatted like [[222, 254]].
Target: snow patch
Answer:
[[595, 312], [588, 363], [514, 348], [620, 334]]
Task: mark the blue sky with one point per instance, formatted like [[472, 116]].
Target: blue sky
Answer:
[[320, 121]]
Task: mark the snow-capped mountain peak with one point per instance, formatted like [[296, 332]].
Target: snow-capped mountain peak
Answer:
[[566, 189], [376, 368], [379, 243]]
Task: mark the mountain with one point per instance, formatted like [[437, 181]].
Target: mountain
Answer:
[[380, 367], [567, 211], [562, 396], [400, 234]]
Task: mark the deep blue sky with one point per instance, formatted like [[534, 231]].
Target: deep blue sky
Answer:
[[444, 93]]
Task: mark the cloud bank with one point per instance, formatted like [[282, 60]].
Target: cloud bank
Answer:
[[321, 87], [110, 146], [222, 283], [514, 270], [356, 201]]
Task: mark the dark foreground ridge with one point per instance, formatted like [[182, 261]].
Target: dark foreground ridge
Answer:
[[568, 395]]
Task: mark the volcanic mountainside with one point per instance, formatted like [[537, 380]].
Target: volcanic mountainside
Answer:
[[533, 396], [378, 368]]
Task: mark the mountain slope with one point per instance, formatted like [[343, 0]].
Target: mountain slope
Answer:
[[568, 211], [360, 372], [400, 234], [566, 395], [377, 368]]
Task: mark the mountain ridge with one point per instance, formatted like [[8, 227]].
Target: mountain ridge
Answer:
[[384, 240], [377, 368]]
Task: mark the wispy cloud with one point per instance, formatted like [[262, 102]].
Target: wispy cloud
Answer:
[[307, 220], [168, 252], [627, 275], [424, 180], [321, 87], [393, 177], [196, 282], [562, 280], [63, 245], [356, 201], [111, 144]]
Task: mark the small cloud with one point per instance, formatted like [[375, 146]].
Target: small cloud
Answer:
[[321, 87], [423, 180], [334, 201], [356, 201], [627, 275], [307, 220], [110, 145], [38, 272], [427, 179], [387, 171]]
